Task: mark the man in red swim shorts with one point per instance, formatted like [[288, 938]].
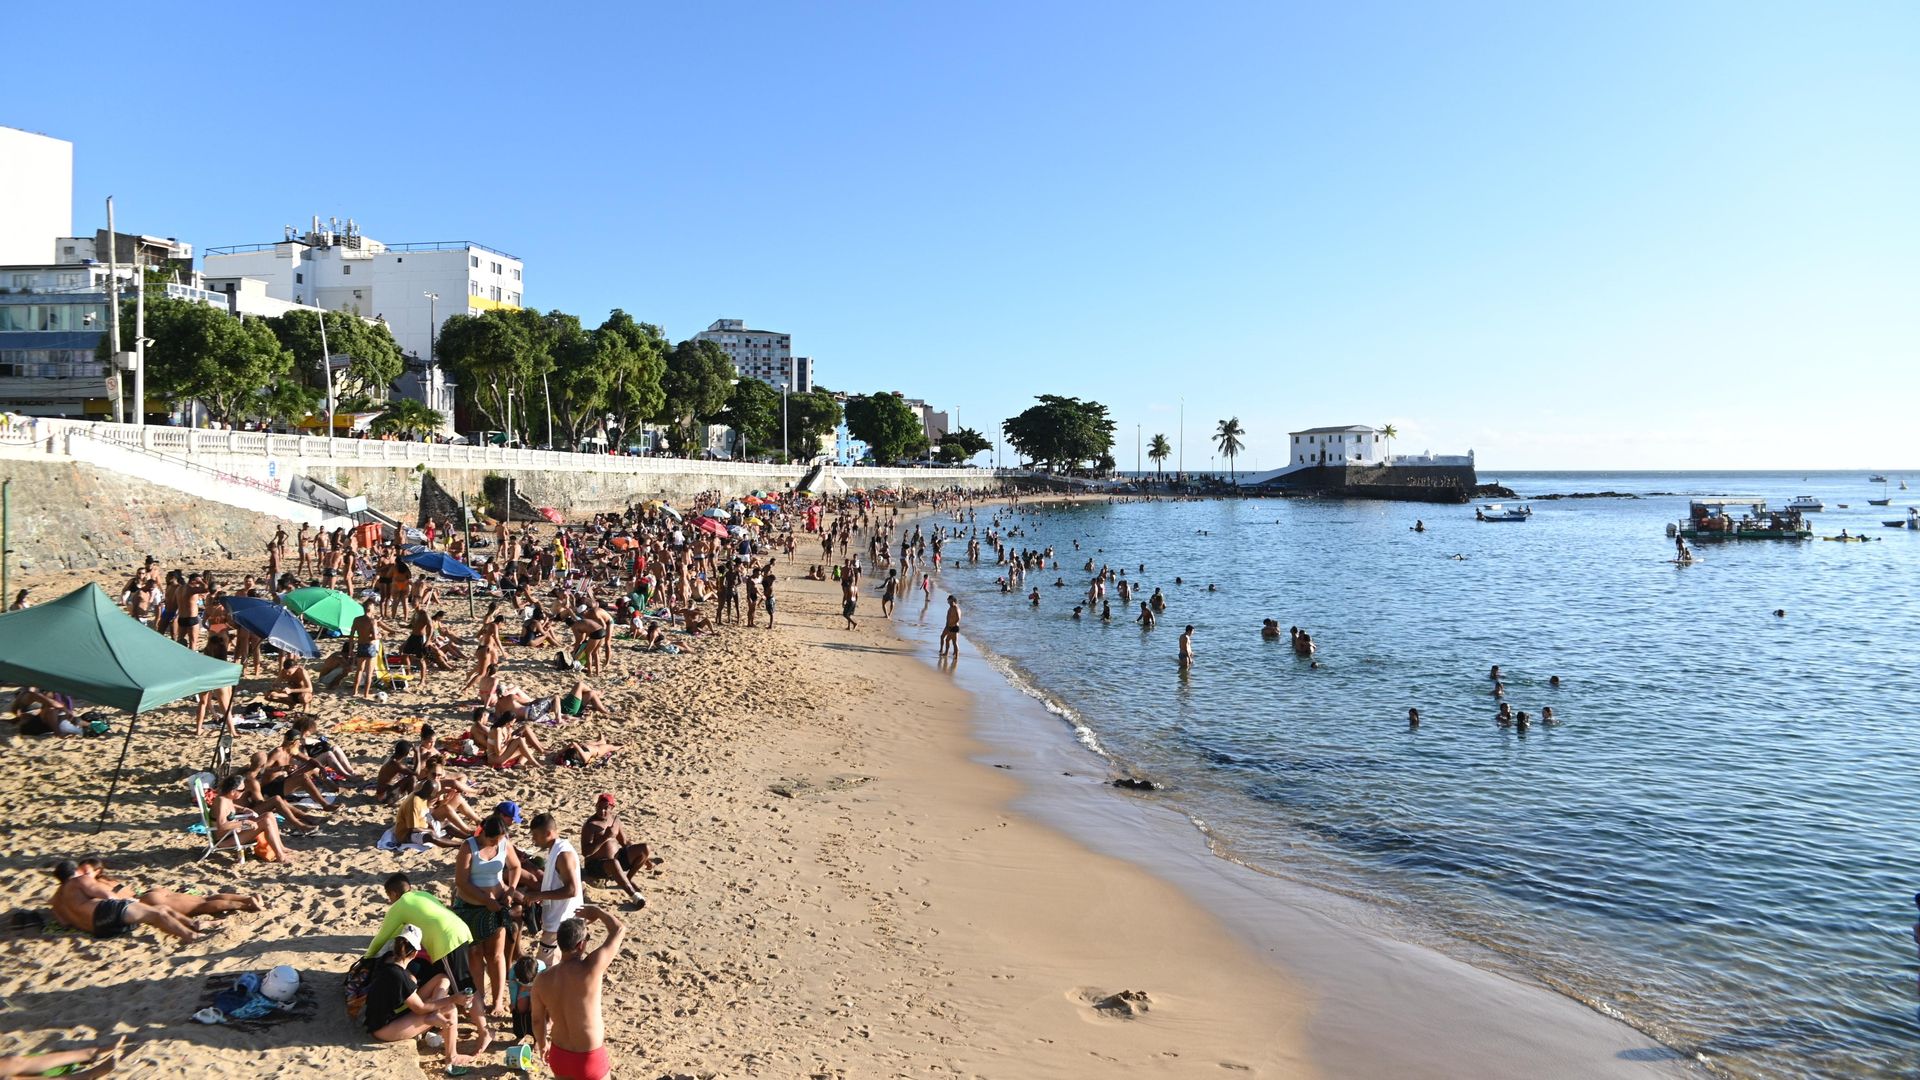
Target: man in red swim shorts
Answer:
[[567, 1029]]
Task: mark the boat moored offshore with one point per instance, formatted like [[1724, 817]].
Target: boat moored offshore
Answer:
[[1806, 504], [1502, 512], [1739, 519]]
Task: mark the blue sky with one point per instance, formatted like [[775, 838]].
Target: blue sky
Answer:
[[1633, 234]]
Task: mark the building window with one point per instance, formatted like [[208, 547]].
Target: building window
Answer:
[[496, 268], [299, 278], [475, 260], [473, 288], [513, 298], [516, 273], [345, 269]]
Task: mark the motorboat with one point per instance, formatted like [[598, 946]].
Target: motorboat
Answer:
[[1876, 478], [1806, 504], [1502, 512], [1739, 519]]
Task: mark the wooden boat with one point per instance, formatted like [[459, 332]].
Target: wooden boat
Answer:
[[1879, 502], [1499, 512]]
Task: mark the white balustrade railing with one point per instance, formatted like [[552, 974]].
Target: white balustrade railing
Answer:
[[192, 442]]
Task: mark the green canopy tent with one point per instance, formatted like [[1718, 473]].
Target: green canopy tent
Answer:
[[83, 645]]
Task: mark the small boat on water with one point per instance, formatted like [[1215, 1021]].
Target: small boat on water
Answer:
[[1501, 512], [1876, 478], [1806, 504], [1739, 519], [1912, 521], [1879, 502]]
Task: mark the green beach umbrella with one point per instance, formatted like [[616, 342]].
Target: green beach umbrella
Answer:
[[328, 607]]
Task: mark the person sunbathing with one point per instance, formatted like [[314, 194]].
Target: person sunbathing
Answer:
[[693, 621], [185, 905], [456, 812], [38, 712], [414, 821], [396, 775], [85, 903], [302, 773], [92, 1061], [508, 745], [606, 852], [322, 751], [230, 819], [266, 795], [583, 699], [579, 755], [296, 685]]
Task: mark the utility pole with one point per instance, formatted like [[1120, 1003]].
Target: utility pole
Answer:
[[548, 398], [139, 349], [326, 365], [1136, 449], [113, 314], [1183, 437], [429, 382]]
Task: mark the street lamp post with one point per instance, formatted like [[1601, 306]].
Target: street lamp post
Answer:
[[326, 364], [786, 455], [427, 380]]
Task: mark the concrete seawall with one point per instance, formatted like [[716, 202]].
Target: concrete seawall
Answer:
[[75, 516]]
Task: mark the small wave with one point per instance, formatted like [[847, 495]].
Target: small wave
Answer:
[[1022, 680]]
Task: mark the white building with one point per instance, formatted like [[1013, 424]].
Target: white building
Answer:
[[415, 288], [36, 195], [766, 355], [1354, 444], [934, 424]]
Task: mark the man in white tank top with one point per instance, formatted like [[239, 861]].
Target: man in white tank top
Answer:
[[560, 889]]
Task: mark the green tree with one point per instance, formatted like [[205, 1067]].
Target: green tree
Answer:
[[204, 353], [405, 416], [890, 429], [695, 385], [753, 412], [958, 446], [1061, 431], [636, 356], [1227, 437], [1158, 451], [812, 418], [494, 356], [375, 359]]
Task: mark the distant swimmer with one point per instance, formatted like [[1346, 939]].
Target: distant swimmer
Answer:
[[1554, 682], [1779, 613], [1076, 612], [1413, 718], [1303, 643], [1212, 587], [1505, 716], [1106, 611], [1158, 602], [1146, 616], [1179, 581], [1270, 629], [1546, 717], [1499, 689], [1419, 526], [1521, 721], [1495, 673], [1033, 598], [1186, 648]]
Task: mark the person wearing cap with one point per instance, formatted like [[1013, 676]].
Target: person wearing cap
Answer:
[[443, 945], [606, 853], [396, 1011]]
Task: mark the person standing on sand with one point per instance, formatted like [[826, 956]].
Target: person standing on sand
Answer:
[[1186, 648], [559, 895], [950, 635], [568, 1031], [766, 589], [850, 599]]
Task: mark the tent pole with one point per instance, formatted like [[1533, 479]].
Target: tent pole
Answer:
[[6, 533], [125, 744]]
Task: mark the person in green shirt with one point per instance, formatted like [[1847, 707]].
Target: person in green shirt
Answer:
[[444, 939]]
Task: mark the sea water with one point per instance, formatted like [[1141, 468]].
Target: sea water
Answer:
[[1716, 844]]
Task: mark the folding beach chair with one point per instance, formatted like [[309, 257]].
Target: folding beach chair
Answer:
[[232, 843], [222, 763], [387, 677]]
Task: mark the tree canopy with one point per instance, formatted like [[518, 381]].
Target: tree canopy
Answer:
[[696, 384], [495, 356], [812, 418], [958, 446], [1063, 432], [1158, 451], [890, 429], [374, 358], [753, 411], [236, 367]]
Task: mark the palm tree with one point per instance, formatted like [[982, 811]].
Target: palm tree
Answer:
[[1227, 437], [405, 416], [1158, 451], [1389, 433]]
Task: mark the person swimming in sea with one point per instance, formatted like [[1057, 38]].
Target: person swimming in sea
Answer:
[[1076, 612], [1505, 716], [1419, 526], [1270, 629], [1521, 721], [1554, 682], [1546, 717], [1033, 598], [1495, 673], [1413, 718]]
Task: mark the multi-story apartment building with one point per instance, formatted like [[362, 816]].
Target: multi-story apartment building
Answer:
[[36, 195], [766, 355], [414, 288]]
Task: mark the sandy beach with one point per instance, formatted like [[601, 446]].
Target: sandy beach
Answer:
[[844, 891]]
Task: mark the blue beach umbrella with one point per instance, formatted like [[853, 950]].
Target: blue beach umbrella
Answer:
[[439, 562], [271, 623]]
